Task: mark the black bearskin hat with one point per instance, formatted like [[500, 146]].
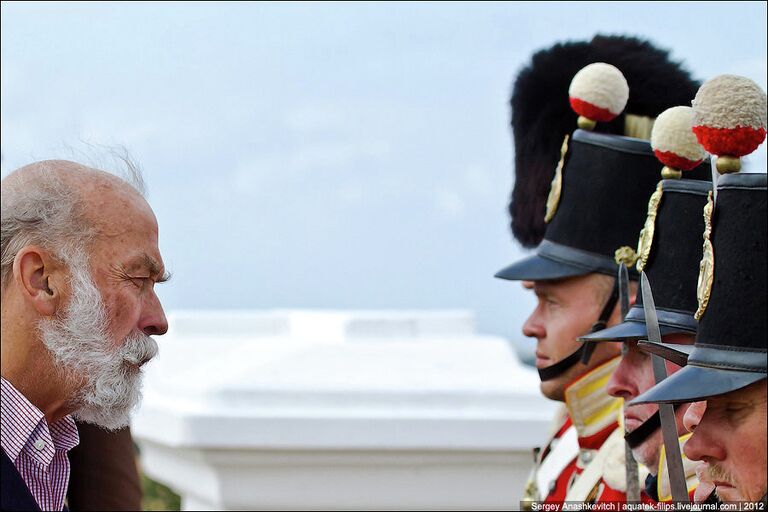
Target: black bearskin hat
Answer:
[[542, 116]]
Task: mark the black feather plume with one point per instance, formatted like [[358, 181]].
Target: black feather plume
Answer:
[[541, 114]]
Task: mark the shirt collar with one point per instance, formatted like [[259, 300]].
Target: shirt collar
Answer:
[[20, 418], [64, 434]]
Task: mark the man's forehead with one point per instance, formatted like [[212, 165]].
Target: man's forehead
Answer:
[[545, 285], [679, 338], [554, 284], [756, 392]]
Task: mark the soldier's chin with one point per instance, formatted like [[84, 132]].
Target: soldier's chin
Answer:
[[728, 493], [553, 389], [646, 455]]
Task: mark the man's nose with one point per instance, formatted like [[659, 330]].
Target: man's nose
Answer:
[[701, 445], [693, 415], [621, 384], [533, 328], [153, 322]]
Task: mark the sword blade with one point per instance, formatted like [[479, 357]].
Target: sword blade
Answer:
[[666, 411], [624, 290], [632, 472]]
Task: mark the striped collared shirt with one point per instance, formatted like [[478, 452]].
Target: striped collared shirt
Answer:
[[38, 451]]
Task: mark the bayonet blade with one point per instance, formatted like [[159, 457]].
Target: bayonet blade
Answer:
[[666, 411]]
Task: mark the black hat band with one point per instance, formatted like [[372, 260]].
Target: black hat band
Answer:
[[729, 358], [675, 319]]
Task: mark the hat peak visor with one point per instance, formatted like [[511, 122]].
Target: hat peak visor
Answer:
[[695, 383], [630, 330], [557, 261]]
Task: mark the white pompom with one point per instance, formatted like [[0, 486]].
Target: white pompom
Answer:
[[673, 133], [601, 85], [730, 101]]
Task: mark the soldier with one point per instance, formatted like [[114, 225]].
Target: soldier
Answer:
[[727, 365], [596, 205], [669, 252]]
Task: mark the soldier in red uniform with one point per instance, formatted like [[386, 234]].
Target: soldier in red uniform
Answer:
[[725, 372], [669, 251], [596, 205]]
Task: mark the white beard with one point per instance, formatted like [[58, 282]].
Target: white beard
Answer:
[[81, 347]]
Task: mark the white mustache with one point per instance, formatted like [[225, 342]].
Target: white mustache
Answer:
[[138, 349]]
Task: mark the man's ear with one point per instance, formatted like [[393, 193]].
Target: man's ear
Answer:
[[40, 279]]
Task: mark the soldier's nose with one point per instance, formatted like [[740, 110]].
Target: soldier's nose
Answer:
[[693, 415]]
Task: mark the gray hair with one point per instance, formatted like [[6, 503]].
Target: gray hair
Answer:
[[39, 208]]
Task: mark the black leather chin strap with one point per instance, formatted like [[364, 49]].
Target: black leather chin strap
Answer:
[[641, 433], [713, 499], [602, 321], [648, 427], [557, 369], [584, 352]]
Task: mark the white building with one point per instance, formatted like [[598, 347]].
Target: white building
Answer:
[[336, 410]]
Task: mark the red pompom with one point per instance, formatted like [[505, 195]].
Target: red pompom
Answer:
[[737, 141], [674, 161], [591, 111]]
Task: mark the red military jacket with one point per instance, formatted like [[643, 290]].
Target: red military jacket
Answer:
[[584, 459], [589, 419]]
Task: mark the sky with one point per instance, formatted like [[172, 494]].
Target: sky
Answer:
[[334, 155]]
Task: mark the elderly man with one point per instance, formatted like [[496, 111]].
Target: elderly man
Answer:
[[80, 259], [596, 205]]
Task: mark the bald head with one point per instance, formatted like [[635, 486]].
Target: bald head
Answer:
[[61, 206]]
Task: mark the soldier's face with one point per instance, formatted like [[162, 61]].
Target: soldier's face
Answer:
[[632, 377], [565, 310], [730, 437]]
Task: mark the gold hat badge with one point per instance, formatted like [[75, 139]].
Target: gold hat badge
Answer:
[[675, 145]]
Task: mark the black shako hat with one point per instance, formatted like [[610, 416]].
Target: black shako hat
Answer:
[[600, 190], [669, 246], [605, 184], [729, 120], [730, 351], [541, 115], [672, 264]]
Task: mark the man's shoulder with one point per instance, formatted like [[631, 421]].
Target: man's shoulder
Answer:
[[14, 494]]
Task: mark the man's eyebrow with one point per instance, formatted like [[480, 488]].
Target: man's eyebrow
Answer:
[[164, 278], [155, 269]]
